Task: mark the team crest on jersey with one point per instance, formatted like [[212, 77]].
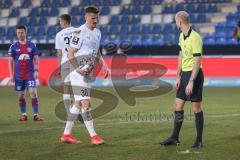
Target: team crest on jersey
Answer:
[[186, 53], [29, 49], [23, 57]]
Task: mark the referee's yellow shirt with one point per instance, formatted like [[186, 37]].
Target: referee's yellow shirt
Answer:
[[191, 46]]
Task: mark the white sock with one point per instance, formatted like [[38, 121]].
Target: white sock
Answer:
[[70, 124], [89, 125], [68, 127], [90, 128]]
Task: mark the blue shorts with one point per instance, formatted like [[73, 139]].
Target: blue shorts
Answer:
[[21, 85]]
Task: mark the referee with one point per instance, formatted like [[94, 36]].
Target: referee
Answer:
[[189, 80]]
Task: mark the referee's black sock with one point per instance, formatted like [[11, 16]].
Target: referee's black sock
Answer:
[[199, 120], [179, 117]]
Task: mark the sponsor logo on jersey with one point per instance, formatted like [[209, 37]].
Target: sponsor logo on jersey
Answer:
[[23, 57], [75, 40]]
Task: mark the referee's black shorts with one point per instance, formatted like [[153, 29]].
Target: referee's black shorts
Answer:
[[196, 95]]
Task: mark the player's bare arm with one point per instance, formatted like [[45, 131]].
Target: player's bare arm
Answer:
[[59, 56], [10, 67], [71, 57], [73, 60], [196, 67], [103, 64], [179, 70], [35, 63]]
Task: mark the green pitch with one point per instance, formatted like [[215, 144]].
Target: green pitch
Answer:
[[131, 133]]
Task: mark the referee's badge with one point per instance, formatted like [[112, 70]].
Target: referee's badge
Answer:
[[186, 53]]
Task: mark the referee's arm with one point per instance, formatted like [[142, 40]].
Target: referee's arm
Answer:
[[196, 67], [179, 70], [197, 56]]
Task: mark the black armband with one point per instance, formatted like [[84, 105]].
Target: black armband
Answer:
[[197, 54]]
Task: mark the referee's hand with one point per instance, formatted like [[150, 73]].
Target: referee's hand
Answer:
[[177, 83], [189, 88]]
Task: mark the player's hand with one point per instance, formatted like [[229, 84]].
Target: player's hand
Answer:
[[106, 71], [89, 69], [35, 75], [177, 83], [189, 88], [83, 71]]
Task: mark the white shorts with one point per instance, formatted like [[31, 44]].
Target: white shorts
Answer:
[[80, 86]]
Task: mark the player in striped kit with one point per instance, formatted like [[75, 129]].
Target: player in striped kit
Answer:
[[23, 68]]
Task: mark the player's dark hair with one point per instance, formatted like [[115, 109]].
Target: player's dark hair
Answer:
[[21, 27], [66, 17], [91, 9]]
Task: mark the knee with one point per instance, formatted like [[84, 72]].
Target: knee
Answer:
[[85, 103], [33, 94], [86, 112], [177, 106], [196, 107], [21, 96], [77, 104]]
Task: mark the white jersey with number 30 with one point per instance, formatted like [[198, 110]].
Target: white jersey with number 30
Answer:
[[87, 43], [62, 41]]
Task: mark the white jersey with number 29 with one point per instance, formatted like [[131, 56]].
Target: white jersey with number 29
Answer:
[[62, 41]]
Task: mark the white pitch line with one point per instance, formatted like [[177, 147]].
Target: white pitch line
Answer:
[[189, 152], [111, 123], [224, 115]]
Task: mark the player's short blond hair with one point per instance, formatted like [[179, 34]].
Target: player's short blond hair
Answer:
[[184, 16]]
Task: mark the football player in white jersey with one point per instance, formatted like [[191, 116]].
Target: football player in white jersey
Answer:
[[82, 53], [62, 42]]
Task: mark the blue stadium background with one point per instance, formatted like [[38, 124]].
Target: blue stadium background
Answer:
[[144, 22]]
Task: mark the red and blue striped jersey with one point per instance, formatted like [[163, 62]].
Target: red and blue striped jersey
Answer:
[[23, 59]]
